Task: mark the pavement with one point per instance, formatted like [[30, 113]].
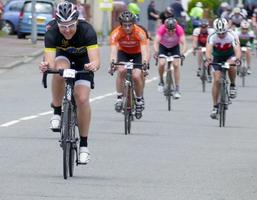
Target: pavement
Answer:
[[14, 52]]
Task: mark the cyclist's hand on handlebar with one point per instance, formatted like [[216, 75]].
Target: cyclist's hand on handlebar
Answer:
[[43, 66], [91, 67], [112, 68], [182, 56]]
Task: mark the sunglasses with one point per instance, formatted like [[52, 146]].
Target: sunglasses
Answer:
[[68, 26], [127, 25]]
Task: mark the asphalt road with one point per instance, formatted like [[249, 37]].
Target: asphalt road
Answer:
[[177, 155]]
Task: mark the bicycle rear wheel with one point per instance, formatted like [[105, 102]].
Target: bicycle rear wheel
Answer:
[[66, 145], [168, 89]]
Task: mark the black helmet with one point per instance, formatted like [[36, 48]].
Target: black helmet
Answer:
[[170, 23], [127, 16], [204, 22], [66, 12]]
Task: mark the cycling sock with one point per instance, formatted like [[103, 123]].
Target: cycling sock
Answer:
[[177, 87], [57, 109], [83, 141]]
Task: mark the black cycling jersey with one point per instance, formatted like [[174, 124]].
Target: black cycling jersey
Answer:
[[84, 38]]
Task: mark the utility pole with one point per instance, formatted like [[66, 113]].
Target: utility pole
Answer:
[[33, 23]]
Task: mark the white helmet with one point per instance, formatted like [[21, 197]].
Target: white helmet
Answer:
[[236, 10], [224, 4], [199, 4], [220, 25], [245, 24]]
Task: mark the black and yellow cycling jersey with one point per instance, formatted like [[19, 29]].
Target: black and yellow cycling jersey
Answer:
[[85, 38]]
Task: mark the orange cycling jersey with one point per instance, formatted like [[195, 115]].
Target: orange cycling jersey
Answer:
[[129, 43]]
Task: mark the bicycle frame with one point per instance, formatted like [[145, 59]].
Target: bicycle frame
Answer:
[[69, 138], [128, 95]]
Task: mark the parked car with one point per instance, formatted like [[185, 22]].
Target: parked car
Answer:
[[11, 15], [45, 12]]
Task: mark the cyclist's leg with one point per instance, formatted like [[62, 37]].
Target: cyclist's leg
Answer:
[[248, 60], [161, 69], [121, 73], [200, 60], [215, 88], [82, 88], [61, 61], [232, 78], [175, 51]]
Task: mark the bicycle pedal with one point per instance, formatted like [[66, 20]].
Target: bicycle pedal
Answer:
[[56, 130]]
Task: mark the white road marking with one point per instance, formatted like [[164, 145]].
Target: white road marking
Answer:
[[13, 122], [26, 118]]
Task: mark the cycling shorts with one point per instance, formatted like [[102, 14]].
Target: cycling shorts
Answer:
[[125, 57], [220, 60], [174, 51], [77, 63]]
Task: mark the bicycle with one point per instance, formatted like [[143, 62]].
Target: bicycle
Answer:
[[242, 70], [204, 69], [224, 97], [69, 134], [170, 81], [128, 95]]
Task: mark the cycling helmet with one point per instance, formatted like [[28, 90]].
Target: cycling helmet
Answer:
[[66, 12], [236, 10], [127, 16], [199, 4], [220, 25], [170, 23], [204, 23], [245, 24]]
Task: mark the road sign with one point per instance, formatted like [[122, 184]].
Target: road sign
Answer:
[[105, 5]]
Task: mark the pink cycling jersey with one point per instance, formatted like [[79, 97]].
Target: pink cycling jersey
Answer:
[[168, 40]]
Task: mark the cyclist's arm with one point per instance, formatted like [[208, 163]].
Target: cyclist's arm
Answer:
[[49, 58], [209, 51], [144, 53], [237, 50], [194, 41], [156, 43], [113, 53], [94, 58], [183, 43]]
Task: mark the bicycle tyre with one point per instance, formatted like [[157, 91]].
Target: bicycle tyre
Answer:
[[73, 147], [125, 109], [65, 138], [243, 72], [222, 105], [168, 89], [204, 78]]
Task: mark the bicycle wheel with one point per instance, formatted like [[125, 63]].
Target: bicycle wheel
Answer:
[[222, 106], [127, 109], [168, 89], [65, 138], [204, 78], [243, 72], [73, 147]]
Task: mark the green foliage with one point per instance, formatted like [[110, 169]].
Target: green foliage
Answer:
[[189, 28]]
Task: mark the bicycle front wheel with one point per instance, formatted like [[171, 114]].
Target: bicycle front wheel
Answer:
[[168, 89], [127, 103], [66, 145], [204, 78], [222, 106], [73, 147]]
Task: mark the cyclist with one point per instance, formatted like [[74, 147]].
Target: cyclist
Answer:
[[196, 13], [200, 35], [246, 38], [129, 42], [68, 41], [168, 40], [223, 45], [236, 17]]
